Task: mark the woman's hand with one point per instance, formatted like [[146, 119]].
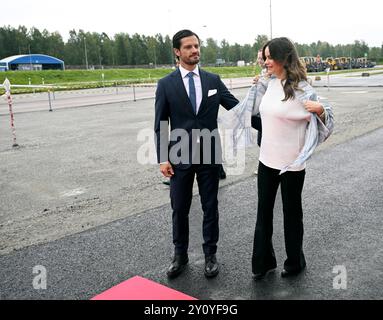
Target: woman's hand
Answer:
[[314, 107]]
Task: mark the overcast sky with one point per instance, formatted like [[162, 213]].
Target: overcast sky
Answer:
[[334, 21]]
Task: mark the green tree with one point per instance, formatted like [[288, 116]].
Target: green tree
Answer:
[[93, 46], [122, 49], [235, 53], [225, 47], [152, 45], [323, 49], [13, 41], [249, 55], [37, 40], [359, 48], [107, 50], [55, 45], [375, 54], [22, 40], [167, 51], [211, 51], [259, 42], [73, 51], [304, 50], [139, 50]]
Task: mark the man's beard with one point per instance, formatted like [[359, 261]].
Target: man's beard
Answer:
[[192, 62]]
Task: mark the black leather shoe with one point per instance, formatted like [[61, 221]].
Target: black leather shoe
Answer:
[[211, 266], [262, 275], [178, 265], [286, 274]]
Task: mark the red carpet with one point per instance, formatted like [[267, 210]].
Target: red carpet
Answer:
[[138, 288]]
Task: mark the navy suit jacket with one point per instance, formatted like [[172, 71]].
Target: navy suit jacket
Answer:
[[172, 105]]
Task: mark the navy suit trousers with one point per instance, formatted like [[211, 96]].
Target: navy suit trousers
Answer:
[[181, 193]]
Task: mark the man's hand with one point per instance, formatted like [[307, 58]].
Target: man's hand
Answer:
[[166, 169], [256, 79]]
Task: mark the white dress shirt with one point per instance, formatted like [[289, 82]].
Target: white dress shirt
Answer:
[[197, 83]]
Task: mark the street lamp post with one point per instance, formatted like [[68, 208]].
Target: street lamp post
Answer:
[[155, 57], [99, 58], [86, 54], [100, 46], [30, 58], [172, 55], [204, 35], [271, 23]]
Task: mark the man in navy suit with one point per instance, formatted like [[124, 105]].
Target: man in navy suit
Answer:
[[189, 98]]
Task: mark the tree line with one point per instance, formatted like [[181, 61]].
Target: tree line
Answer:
[[99, 49]]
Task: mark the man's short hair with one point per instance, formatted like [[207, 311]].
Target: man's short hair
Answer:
[[180, 35]]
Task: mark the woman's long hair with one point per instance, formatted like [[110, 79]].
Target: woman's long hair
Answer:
[[283, 51]]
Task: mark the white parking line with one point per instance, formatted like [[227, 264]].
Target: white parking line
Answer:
[[357, 92], [71, 193]]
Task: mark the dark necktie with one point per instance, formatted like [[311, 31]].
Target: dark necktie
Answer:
[[192, 94]]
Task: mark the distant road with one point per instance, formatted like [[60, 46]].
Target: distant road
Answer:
[[90, 97]]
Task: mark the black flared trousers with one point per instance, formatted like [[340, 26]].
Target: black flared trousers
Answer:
[[291, 189]]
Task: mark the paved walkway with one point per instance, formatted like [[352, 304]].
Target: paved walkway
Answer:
[[343, 227]]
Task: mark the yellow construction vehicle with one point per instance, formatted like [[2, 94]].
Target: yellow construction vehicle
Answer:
[[338, 64], [333, 63], [309, 63], [344, 63]]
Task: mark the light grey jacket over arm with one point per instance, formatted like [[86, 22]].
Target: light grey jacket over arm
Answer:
[[238, 120]]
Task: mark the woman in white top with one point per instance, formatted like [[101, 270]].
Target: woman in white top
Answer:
[[284, 121]]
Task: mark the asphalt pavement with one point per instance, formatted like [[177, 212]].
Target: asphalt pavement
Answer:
[[343, 204], [76, 201]]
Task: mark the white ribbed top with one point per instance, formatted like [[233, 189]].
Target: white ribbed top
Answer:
[[283, 128]]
